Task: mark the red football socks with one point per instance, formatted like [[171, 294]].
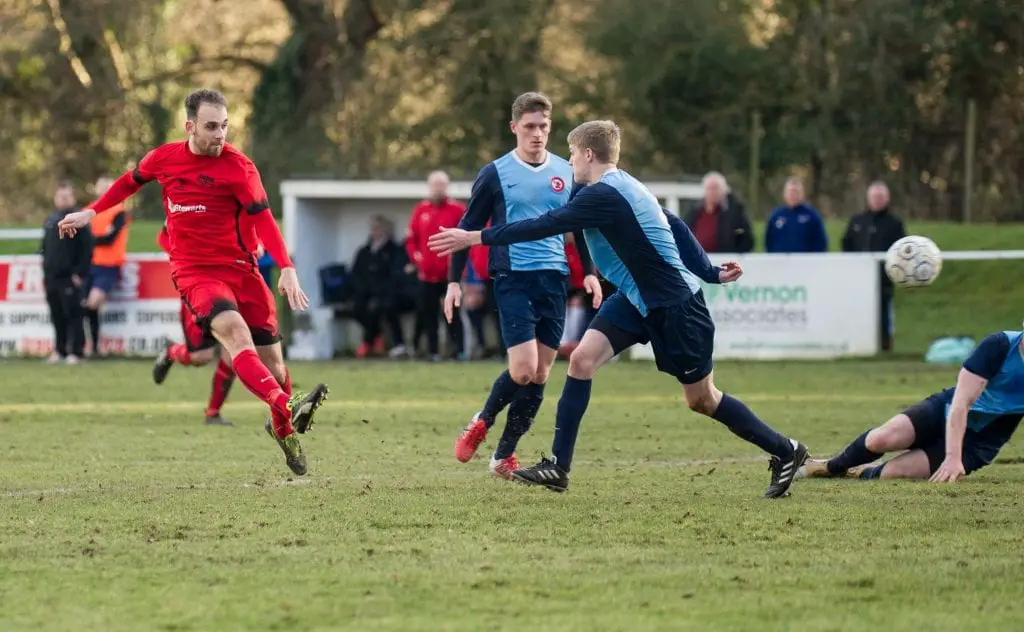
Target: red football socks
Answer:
[[179, 354], [283, 422], [223, 378], [256, 377]]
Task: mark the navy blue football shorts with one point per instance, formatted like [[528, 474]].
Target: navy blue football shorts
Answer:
[[531, 305], [682, 336]]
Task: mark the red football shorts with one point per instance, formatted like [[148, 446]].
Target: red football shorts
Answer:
[[195, 338], [207, 293]]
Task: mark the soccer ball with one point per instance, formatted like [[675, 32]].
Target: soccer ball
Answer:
[[913, 261]]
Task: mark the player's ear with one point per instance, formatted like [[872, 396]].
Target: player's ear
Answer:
[[512, 126], [190, 126]]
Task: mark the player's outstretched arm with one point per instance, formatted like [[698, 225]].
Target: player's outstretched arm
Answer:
[[968, 389], [592, 207], [122, 189], [691, 252]]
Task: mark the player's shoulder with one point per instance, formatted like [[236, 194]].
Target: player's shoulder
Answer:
[[166, 151], [236, 156], [993, 346], [488, 174], [558, 161]]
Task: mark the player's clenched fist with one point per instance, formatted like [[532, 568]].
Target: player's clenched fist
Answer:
[[69, 225]]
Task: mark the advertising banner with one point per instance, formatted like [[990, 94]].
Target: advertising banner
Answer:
[[795, 306], [142, 313]]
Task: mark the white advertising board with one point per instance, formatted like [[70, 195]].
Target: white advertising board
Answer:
[[143, 312], [794, 306]]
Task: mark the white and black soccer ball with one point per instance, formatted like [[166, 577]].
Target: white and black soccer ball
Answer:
[[913, 261]]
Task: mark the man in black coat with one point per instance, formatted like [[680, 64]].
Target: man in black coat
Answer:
[[377, 288], [874, 230], [719, 221], [66, 264]]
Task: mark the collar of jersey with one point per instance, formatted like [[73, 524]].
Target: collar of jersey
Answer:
[[541, 166]]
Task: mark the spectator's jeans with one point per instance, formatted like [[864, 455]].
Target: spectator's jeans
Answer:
[[66, 314], [370, 311], [429, 315]]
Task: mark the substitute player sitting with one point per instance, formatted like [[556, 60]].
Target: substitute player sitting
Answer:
[[659, 299], [216, 210], [949, 434]]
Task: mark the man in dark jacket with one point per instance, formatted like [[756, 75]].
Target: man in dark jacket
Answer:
[[875, 230], [796, 226], [376, 280], [66, 264], [719, 221]]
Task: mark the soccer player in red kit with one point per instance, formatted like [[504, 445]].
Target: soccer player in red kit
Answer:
[[216, 209], [199, 349]]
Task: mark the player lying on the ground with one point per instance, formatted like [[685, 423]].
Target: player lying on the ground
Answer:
[[658, 300], [948, 434], [216, 210], [199, 349]]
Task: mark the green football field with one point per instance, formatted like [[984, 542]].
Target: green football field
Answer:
[[121, 511]]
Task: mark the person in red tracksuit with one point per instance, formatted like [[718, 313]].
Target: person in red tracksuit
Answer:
[[428, 218]]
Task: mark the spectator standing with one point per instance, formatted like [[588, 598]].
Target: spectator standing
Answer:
[[796, 226], [66, 264], [376, 281], [428, 217], [110, 244], [875, 230], [719, 221]]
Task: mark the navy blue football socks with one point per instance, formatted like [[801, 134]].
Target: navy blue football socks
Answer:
[[571, 408], [502, 392], [521, 414], [871, 473], [855, 454], [746, 425]]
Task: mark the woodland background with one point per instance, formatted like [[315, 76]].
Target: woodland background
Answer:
[[924, 94]]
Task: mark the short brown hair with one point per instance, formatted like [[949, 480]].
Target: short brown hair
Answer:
[[201, 96], [530, 102], [601, 137]]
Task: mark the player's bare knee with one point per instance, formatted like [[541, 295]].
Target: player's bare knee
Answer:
[[541, 375], [204, 356], [885, 439], [582, 365], [702, 402], [522, 373], [703, 397], [231, 331]]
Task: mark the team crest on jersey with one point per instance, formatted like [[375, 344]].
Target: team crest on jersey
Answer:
[[557, 184]]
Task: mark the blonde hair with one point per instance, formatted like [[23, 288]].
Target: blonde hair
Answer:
[[601, 137]]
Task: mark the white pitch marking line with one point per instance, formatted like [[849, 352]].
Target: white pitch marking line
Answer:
[[314, 481]]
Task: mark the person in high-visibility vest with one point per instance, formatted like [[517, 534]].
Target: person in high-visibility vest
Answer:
[[110, 232]]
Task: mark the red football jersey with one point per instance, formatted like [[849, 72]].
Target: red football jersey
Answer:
[[205, 200]]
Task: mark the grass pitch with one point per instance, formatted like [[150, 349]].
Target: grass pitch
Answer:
[[122, 512]]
